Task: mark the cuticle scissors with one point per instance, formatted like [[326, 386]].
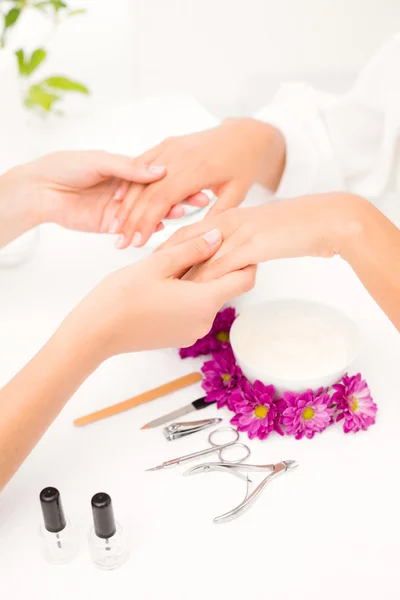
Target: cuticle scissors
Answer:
[[214, 447]]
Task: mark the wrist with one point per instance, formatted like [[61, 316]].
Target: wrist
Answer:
[[22, 195], [343, 217], [352, 235]]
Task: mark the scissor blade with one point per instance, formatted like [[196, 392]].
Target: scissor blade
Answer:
[[157, 468], [180, 412]]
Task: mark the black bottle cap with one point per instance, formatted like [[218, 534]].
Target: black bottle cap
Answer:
[[53, 513], [103, 516]]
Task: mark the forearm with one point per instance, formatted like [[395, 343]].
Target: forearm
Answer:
[[372, 248], [18, 199], [33, 398]]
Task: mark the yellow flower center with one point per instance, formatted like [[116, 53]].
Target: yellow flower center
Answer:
[[225, 377], [260, 411], [308, 413], [222, 336], [354, 406]]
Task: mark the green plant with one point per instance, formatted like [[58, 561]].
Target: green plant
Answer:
[[42, 95]]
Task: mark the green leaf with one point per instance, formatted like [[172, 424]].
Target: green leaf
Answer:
[[73, 13], [21, 62], [11, 17], [65, 84], [37, 58], [58, 4], [37, 97], [28, 66]]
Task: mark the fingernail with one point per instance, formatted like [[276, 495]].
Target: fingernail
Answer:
[[156, 169], [137, 238], [119, 194], [212, 237], [120, 241], [114, 226]]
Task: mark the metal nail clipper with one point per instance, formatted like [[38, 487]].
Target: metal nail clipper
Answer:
[[178, 430]]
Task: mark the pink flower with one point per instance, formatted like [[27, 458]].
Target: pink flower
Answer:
[[256, 410], [307, 413], [221, 377], [216, 340], [355, 404]]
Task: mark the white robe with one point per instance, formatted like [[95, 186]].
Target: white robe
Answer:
[[348, 142]]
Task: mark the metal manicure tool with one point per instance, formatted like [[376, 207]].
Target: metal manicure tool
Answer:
[[233, 466], [178, 430], [234, 469], [214, 447]]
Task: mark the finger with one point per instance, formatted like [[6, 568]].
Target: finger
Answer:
[[124, 209], [176, 212], [200, 199], [186, 233], [233, 284], [157, 200], [112, 206], [176, 261], [124, 167], [160, 227], [230, 196], [240, 257]]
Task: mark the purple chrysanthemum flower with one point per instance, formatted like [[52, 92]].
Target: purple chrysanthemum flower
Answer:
[[307, 413], [355, 404], [216, 340], [221, 377], [256, 410]]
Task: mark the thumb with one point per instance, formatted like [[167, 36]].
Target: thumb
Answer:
[[230, 197], [124, 167], [177, 260]]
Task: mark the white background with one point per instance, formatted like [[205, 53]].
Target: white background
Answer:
[[329, 530], [229, 54]]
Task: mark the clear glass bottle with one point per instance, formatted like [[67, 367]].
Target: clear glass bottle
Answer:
[[107, 542], [58, 541]]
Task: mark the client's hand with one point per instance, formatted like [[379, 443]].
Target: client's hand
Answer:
[[227, 159], [149, 304], [306, 226]]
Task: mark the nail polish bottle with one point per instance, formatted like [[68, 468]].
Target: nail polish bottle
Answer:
[[108, 545], [59, 544]]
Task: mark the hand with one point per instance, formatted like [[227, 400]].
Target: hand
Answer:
[[227, 159], [307, 226], [150, 305], [74, 187]]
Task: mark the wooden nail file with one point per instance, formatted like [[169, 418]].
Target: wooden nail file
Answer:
[[157, 392]]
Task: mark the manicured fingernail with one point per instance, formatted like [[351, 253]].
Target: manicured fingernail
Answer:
[[212, 237], [114, 226], [120, 241], [156, 169], [119, 193], [137, 238]]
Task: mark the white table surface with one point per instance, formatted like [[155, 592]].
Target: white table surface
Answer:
[[328, 530]]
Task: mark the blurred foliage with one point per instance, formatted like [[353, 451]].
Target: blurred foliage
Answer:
[[40, 96]]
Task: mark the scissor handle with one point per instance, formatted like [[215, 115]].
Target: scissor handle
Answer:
[[230, 446], [226, 443]]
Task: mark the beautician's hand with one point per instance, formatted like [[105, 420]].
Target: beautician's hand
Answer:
[[148, 305], [227, 159], [306, 226], [68, 188], [75, 187]]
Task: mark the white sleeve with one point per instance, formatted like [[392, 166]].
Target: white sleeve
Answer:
[[347, 142]]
